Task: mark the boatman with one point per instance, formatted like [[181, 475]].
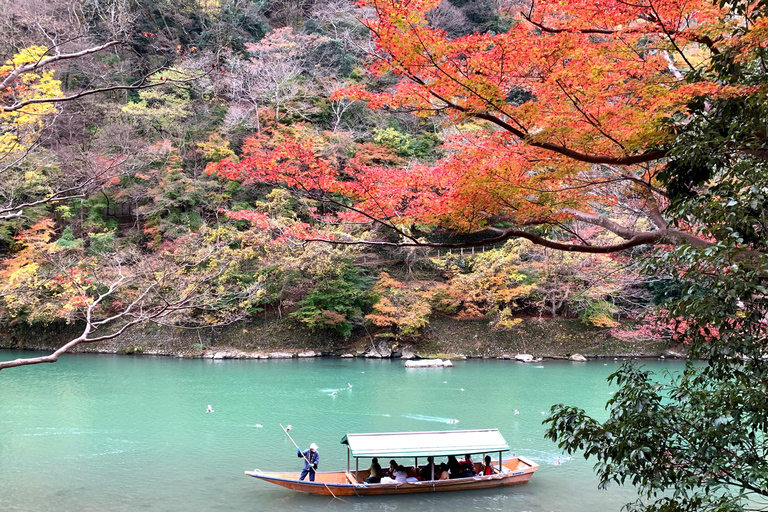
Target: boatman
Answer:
[[311, 458]]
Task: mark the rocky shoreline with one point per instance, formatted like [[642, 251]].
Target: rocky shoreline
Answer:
[[446, 338], [409, 355]]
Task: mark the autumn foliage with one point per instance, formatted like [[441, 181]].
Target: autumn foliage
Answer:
[[559, 122], [570, 112], [19, 126]]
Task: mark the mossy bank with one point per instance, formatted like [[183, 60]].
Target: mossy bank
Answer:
[[445, 337]]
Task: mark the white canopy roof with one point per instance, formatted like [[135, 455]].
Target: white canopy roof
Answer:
[[424, 444]]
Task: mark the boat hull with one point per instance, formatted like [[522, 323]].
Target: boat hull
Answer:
[[518, 470]]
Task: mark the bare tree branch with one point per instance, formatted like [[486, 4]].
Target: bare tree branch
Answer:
[[32, 66], [142, 84], [159, 291]]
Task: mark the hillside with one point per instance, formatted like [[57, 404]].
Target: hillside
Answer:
[[141, 189]]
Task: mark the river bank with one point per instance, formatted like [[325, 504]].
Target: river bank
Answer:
[[274, 339]]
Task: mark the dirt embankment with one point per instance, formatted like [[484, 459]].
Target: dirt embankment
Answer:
[[272, 338]]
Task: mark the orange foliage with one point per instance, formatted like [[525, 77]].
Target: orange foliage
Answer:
[[572, 108], [37, 281], [569, 85], [402, 308]]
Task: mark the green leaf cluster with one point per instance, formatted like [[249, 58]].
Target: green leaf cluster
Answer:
[[339, 303]]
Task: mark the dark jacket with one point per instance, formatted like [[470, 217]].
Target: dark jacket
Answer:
[[428, 470], [455, 467], [310, 458]]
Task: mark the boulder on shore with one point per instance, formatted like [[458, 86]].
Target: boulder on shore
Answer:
[[379, 351], [524, 358], [577, 357], [308, 353], [407, 353], [280, 355]]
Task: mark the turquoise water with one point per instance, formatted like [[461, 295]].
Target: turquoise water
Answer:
[[94, 433]]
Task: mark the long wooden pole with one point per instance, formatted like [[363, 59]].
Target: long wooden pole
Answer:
[[306, 459]]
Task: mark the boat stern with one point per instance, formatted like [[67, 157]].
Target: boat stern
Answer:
[[520, 469], [326, 484]]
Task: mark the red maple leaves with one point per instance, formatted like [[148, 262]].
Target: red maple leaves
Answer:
[[560, 117]]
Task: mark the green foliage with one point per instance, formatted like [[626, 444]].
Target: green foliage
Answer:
[[339, 303], [162, 109], [68, 240], [706, 135], [97, 218], [693, 442], [100, 243], [666, 290], [175, 202], [331, 53], [64, 212], [405, 145]]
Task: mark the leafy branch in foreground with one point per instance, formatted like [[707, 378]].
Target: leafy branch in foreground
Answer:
[[687, 444], [697, 440], [196, 283]]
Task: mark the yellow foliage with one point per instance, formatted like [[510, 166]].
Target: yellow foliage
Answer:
[[210, 7], [19, 127], [603, 321], [506, 321], [494, 281], [404, 308], [216, 148]]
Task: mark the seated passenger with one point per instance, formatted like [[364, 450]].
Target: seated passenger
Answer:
[[390, 473], [444, 471], [454, 467], [488, 468], [469, 465], [400, 475], [429, 472], [375, 469]]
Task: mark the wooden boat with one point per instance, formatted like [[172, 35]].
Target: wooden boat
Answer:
[[515, 470]]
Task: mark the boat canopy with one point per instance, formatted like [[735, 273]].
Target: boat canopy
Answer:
[[425, 444]]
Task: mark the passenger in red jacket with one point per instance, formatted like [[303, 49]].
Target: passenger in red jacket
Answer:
[[488, 468], [468, 464]]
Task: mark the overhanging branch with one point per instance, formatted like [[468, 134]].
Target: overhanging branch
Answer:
[[648, 156], [142, 84], [643, 238], [32, 66]]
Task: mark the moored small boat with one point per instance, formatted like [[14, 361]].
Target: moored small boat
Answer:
[[515, 470]]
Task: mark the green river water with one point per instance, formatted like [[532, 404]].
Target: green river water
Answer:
[[119, 433]]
